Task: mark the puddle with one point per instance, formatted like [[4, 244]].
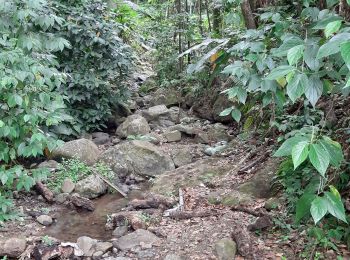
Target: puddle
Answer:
[[72, 224]]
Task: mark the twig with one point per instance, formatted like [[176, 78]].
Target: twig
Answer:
[[192, 214], [257, 213], [252, 164], [181, 200], [111, 185]]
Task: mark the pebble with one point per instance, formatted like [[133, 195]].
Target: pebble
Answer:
[[45, 220]]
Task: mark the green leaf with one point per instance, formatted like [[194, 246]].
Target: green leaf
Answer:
[[335, 206], [226, 112], [280, 71], [296, 87], [318, 208], [334, 150], [332, 27], [1, 123], [236, 114], [242, 95], [319, 158], [303, 206], [314, 89], [333, 45], [345, 52], [294, 54], [299, 153], [310, 54], [287, 146]]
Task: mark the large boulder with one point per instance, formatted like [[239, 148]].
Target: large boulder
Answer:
[[133, 125], [137, 157], [225, 249], [12, 247], [153, 113], [91, 187], [168, 97], [82, 149], [137, 238]]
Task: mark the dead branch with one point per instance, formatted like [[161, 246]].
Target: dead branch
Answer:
[[112, 185], [192, 214], [44, 191]]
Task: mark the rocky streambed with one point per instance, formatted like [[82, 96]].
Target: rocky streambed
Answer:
[[195, 190]]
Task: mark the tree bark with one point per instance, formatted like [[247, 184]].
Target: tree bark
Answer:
[[248, 15], [208, 15]]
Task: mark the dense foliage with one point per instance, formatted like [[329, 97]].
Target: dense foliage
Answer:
[[97, 64]]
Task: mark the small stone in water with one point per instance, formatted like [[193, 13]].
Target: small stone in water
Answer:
[[44, 220]]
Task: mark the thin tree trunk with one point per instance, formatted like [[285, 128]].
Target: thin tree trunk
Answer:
[[200, 22], [188, 27], [248, 15], [179, 27], [208, 15], [217, 21]]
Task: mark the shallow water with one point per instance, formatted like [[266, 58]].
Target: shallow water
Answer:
[[72, 224]]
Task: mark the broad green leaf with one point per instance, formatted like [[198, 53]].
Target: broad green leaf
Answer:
[[332, 27], [242, 95], [280, 71], [319, 158], [286, 148], [333, 45], [310, 54], [303, 206], [335, 206], [314, 89], [335, 191], [226, 112], [318, 208], [1, 123], [236, 114], [296, 87], [299, 153], [345, 52], [334, 150], [294, 54]]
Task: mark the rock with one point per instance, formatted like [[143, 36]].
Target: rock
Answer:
[[86, 245], [181, 157], [100, 138], [172, 257], [199, 172], [220, 104], [189, 130], [97, 255], [263, 222], [62, 198], [259, 186], [217, 133], [103, 246], [133, 125], [202, 138], [272, 203], [225, 249], [136, 238], [120, 231], [173, 136], [168, 97], [12, 247], [68, 186], [153, 113], [81, 202], [82, 149], [91, 187], [217, 148], [137, 157], [51, 165], [44, 220]]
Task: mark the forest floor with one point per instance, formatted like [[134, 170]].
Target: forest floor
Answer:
[[217, 203]]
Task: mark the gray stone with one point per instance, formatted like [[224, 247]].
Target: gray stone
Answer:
[[103, 246], [133, 125], [181, 157], [168, 97], [62, 198], [172, 257], [100, 138], [137, 157], [97, 255], [202, 138], [44, 220], [68, 186], [217, 148], [50, 164], [120, 231], [153, 113], [136, 238], [225, 249], [12, 247], [91, 187], [173, 136], [189, 130], [86, 245], [82, 149]]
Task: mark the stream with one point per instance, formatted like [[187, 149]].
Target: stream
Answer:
[[71, 224]]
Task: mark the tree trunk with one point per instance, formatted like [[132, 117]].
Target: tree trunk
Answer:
[[217, 21], [179, 28], [344, 10], [208, 15], [248, 15], [200, 22]]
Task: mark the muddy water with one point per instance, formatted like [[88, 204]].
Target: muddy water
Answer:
[[71, 224]]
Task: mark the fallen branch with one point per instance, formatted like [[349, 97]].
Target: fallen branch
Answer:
[[252, 164], [242, 238], [154, 201], [255, 213], [44, 191], [112, 185]]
